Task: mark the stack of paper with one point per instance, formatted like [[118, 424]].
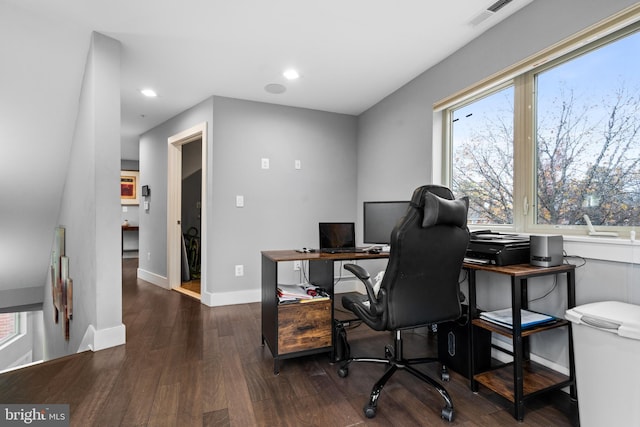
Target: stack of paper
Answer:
[[293, 291], [301, 293], [504, 318]]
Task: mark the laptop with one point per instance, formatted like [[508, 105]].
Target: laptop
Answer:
[[337, 237]]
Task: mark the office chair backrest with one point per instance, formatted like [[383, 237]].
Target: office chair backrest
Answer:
[[427, 251]]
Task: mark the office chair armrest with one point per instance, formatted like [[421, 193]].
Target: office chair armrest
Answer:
[[365, 278]]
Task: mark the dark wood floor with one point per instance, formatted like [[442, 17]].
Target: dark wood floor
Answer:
[[186, 364]]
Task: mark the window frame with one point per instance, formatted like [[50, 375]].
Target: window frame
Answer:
[[523, 77]]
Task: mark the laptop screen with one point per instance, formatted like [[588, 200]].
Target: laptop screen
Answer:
[[337, 235]]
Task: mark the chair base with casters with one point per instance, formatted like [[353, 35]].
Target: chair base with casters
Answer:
[[395, 359]]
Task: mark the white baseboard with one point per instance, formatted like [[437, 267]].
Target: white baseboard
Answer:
[[99, 339], [218, 299], [153, 278]]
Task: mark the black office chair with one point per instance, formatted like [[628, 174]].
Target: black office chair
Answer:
[[420, 285]]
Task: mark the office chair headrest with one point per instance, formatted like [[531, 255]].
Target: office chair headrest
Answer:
[[417, 199], [445, 212]]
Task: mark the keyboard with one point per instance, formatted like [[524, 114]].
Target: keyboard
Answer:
[[340, 250]]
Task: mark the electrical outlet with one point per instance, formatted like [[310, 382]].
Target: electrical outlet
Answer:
[[239, 270], [265, 163], [297, 265]]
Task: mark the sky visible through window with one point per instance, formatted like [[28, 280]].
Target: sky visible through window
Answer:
[[586, 94]]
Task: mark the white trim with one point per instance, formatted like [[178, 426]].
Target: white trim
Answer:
[[109, 337], [603, 248], [219, 299], [99, 339], [154, 279]]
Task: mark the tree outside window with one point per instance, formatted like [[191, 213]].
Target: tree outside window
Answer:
[[588, 137], [482, 157], [586, 124]]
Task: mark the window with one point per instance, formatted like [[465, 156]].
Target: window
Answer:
[[482, 157], [588, 137], [9, 326], [563, 138]]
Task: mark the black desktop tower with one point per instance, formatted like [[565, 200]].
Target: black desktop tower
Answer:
[[453, 345]]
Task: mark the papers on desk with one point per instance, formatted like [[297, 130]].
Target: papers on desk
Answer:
[[504, 318], [300, 293]]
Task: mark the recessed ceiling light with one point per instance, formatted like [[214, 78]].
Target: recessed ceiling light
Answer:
[[149, 93], [291, 74]]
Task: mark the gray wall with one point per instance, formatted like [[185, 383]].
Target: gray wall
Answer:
[[89, 211], [396, 134], [153, 172], [282, 205]]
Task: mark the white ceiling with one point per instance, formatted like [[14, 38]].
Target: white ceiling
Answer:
[[351, 54]]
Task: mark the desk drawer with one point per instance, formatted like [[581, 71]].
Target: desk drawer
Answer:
[[304, 326]]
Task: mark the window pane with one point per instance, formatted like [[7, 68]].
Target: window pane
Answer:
[[8, 326], [588, 137], [482, 157]]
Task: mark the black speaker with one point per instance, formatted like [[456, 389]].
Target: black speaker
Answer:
[[453, 345]]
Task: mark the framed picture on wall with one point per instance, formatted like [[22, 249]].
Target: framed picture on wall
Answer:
[[129, 192]]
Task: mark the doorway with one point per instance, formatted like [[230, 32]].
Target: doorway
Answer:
[[186, 211], [191, 202]]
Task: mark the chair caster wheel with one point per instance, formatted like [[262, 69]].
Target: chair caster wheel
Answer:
[[343, 372], [447, 414], [370, 411], [388, 352]]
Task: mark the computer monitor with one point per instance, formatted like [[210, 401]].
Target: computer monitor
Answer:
[[379, 219]]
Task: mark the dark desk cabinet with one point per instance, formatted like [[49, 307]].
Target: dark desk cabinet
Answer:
[[304, 326], [299, 329]]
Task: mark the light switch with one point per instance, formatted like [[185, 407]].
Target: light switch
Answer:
[[125, 209], [239, 201], [298, 164]]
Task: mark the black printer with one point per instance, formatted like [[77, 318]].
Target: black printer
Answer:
[[486, 247]]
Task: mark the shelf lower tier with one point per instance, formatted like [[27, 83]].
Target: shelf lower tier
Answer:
[[536, 378], [507, 332]]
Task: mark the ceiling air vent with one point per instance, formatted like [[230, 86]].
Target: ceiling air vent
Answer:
[[488, 13], [498, 5]]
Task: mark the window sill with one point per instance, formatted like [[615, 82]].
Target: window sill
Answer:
[[614, 249]]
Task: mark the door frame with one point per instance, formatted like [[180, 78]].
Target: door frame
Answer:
[[174, 208]]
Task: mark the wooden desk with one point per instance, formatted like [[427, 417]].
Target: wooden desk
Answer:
[[522, 378], [292, 330], [127, 228]]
